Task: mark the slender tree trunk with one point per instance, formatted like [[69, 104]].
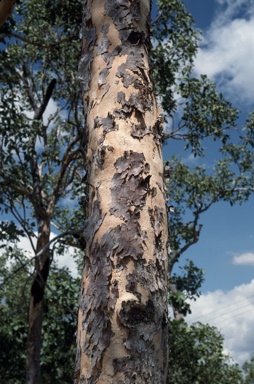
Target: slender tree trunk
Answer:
[[36, 305], [6, 8], [122, 322]]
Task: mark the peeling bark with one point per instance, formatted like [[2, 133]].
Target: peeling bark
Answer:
[[122, 322]]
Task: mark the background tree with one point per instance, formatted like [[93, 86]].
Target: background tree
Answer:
[[199, 116], [40, 153], [196, 356], [248, 371], [195, 353], [59, 325]]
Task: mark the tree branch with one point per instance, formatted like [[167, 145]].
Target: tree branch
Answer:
[[39, 111], [36, 257], [6, 8], [40, 44]]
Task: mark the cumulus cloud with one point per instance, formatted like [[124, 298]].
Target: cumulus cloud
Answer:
[[244, 259], [226, 52], [232, 313]]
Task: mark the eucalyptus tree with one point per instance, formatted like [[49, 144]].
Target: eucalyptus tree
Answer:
[[59, 323], [43, 178], [196, 356], [122, 321]]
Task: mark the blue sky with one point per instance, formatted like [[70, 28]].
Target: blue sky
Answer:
[[226, 246]]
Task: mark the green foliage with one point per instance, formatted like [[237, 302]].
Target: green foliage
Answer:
[[248, 371], [59, 324], [193, 190], [196, 356], [185, 287], [40, 156], [190, 281], [205, 112], [196, 352], [199, 115], [175, 43]]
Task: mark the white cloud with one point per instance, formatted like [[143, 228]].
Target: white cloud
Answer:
[[231, 8], [244, 259], [65, 260], [232, 313], [50, 110], [226, 52]]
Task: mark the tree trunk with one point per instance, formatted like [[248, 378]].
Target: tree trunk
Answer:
[[122, 322], [36, 305], [6, 8]]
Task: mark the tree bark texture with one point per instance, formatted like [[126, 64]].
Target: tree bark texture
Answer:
[[6, 8], [122, 321], [34, 338]]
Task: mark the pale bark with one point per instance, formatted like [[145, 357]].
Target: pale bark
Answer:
[[122, 322], [6, 8]]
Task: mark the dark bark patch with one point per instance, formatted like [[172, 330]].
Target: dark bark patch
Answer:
[[156, 218], [38, 286], [136, 37], [108, 123], [145, 276], [158, 130], [153, 191], [137, 103], [127, 366], [101, 153], [93, 223], [100, 272], [140, 130], [94, 305], [143, 322], [103, 45], [98, 337], [129, 186], [89, 36], [127, 240], [114, 294], [133, 313], [157, 222], [102, 76]]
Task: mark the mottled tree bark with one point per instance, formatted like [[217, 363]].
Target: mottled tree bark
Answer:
[[6, 8], [122, 322], [34, 338]]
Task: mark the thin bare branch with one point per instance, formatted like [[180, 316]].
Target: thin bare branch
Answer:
[[37, 256], [40, 44]]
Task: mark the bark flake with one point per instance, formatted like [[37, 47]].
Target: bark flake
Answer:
[[93, 223], [129, 186]]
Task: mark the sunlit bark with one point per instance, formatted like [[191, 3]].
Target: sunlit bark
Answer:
[[122, 326]]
